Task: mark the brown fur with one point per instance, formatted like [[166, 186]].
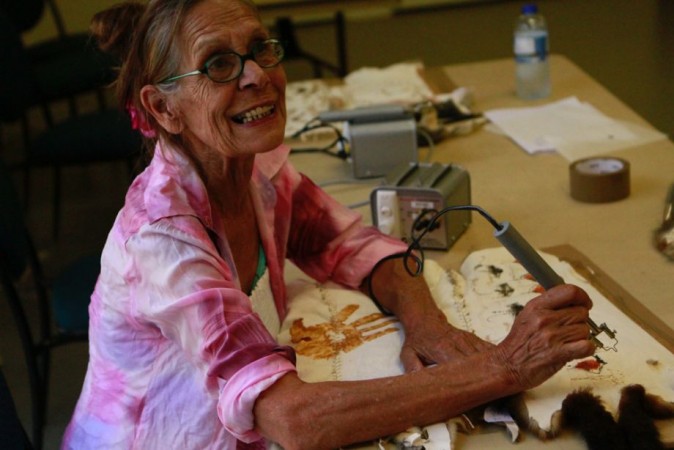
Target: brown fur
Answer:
[[585, 413], [636, 418]]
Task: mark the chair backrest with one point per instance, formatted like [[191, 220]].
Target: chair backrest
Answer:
[[58, 18], [17, 85], [17, 257], [12, 434], [19, 263], [14, 247], [24, 14]]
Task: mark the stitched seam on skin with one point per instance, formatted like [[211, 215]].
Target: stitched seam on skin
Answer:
[[460, 303], [336, 362]]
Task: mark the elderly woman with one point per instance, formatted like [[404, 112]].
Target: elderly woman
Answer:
[[181, 352]]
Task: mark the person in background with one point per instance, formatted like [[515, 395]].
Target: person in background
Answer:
[[182, 352]]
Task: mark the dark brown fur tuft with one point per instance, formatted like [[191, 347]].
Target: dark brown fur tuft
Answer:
[[585, 413], [635, 419]]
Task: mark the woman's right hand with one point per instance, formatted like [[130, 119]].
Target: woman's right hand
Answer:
[[550, 331]]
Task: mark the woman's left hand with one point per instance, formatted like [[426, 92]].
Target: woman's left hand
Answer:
[[436, 341], [429, 338]]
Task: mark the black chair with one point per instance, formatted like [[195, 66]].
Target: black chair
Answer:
[[64, 66], [98, 136], [104, 136], [285, 29], [12, 434], [58, 306]]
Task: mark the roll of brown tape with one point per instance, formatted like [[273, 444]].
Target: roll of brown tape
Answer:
[[600, 180]]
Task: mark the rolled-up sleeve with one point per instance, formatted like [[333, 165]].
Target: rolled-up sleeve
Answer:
[[186, 290], [238, 399], [329, 241]]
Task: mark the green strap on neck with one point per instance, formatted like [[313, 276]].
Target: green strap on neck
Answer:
[[261, 266]]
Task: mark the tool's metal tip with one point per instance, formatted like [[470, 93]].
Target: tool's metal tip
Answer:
[[663, 237], [664, 241]]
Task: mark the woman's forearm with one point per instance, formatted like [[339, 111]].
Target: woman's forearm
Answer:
[[397, 291], [327, 415], [550, 331]]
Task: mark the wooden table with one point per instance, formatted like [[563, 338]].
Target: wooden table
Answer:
[[533, 193]]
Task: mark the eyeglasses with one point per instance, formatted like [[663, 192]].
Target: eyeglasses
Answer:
[[225, 67]]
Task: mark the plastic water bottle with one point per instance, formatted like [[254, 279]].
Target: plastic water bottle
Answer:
[[532, 70]]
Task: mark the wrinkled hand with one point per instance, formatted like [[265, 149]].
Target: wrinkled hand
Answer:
[[550, 331], [429, 338], [436, 341]]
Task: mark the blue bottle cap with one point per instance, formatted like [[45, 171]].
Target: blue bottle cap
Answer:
[[529, 8]]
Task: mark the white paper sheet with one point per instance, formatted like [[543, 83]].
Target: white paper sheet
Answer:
[[573, 128]]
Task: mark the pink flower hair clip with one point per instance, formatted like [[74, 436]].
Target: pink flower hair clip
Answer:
[[139, 122]]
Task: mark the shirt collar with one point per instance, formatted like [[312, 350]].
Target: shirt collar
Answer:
[[175, 187]]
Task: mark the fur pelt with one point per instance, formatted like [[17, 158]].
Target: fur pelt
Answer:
[[585, 413]]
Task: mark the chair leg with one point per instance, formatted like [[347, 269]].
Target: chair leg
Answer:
[[26, 186], [38, 419], [58, 18], [13, 432], [36, 380], [286, 31], [47, 114], [26, 439], [56, 219], [25, 128], [102, 102], [39, 381], [44, 392], [31, 353], [318, 73], [72, 106], [340, 37]]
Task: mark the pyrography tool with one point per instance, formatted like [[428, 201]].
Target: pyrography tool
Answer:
[[526, 255]]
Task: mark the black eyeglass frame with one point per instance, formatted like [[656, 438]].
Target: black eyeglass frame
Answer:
[[250, 56]]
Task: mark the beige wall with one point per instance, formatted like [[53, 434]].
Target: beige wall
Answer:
[[76, 15], [628, 45]]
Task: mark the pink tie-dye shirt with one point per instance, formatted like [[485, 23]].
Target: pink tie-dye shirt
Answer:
[[177, 357]]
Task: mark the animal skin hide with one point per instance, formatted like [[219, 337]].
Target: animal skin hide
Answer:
[[340, 335], [585, 413]]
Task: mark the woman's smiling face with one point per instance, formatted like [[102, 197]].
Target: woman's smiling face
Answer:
[[244, 116]]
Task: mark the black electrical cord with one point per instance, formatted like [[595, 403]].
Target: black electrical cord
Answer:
[[422, 223], [339, 140], [307, 126], [405, 256], [415, 244], [414, 250]]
